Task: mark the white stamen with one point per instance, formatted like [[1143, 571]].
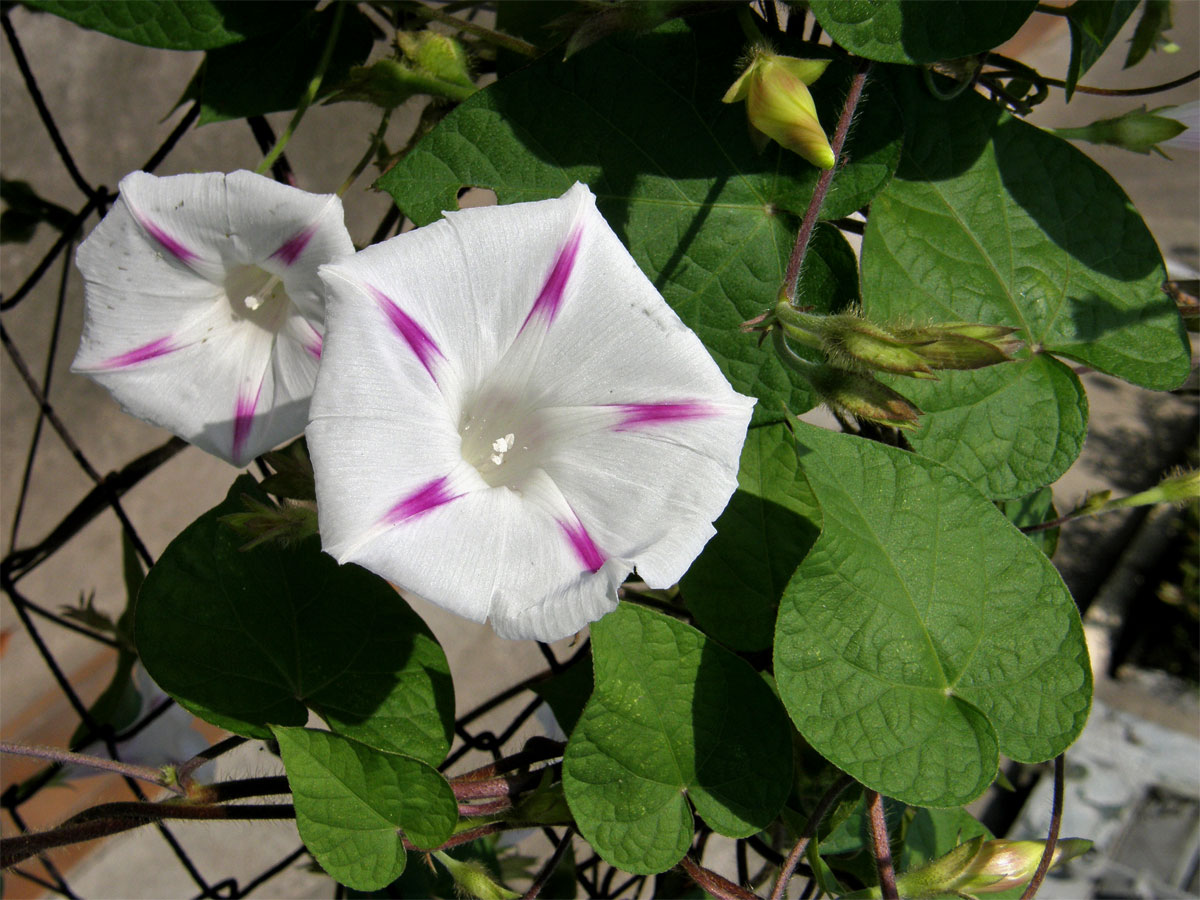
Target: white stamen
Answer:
[[502, 446]]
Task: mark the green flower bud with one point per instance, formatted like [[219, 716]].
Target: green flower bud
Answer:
[[1138, 130], [437, 55], [779, 106], [473, 879], [1001, 864], [861, 395], [983, 867]]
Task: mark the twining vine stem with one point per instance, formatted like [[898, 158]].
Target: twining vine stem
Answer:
[[1052, 838], [819, 813], [712, 883], [813, 212]]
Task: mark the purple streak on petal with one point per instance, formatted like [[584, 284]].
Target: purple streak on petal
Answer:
[[635, 414], [414, 335], [294, 246], [243, 419], [434, 493], [152, 350], [316, 345], [550, 299], [168, 243], [583, 545]]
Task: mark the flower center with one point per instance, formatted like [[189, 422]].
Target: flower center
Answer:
[[502, 439], [257, 296]]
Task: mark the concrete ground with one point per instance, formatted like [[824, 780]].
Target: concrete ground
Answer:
[[112, 102]]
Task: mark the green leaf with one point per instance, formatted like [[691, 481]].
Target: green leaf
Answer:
[[917, 31], [923, 634], [1093, 25], [1150, 32], [1008, 429], [935, 832], [174, 25], [710, 221], [567, 693], [350, 800], [772, 520], [674, 717], [992, 220], [256, 638], [1034, 509], [272, 72]]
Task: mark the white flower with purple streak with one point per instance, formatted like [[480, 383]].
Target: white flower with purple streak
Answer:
[[204, 313], [509, 418]]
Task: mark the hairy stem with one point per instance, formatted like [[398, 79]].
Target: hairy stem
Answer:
[[881, 847], [66, 757], [812, 214], [712, 883]]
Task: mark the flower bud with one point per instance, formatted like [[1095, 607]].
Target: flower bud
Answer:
[[1000, 865], [779, 106], [1139, 130], [983, 867], [438, 55], [962, 345], [861, 395]]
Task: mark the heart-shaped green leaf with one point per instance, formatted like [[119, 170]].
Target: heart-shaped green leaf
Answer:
[[707, 218], [352, 801], [923, 634], [772, 520], [917, 31], [247, 639], [673, 717], [1008, 429], [171, 25], [993, 220]]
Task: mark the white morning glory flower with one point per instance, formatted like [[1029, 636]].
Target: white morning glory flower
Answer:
[[204, 313], [509, 418]]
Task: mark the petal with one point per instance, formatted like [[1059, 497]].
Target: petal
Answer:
[[649, 485], [287, 232], [160, 331], [532, 316]]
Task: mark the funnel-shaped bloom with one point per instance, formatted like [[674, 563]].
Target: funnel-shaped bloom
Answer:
[[780, 107], [204, 312], [509, 418]]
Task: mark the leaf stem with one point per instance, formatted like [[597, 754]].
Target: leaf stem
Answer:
[[881, 847], [1052, 838], [712, 883], [819, 812], [310, 92], [539, 883], [376, 142], [812, 214], [67, 757]]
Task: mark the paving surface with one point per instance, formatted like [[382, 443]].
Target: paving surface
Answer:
[[113, 102]]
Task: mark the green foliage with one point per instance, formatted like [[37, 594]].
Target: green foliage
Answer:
[[673, 717], [1150, 32], [772, 520], [353, 802], [710, 221], [916, 31], [922, 635], [171, 25], [1034, 509], [271, 72], [1094, 24], [250, 639]]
